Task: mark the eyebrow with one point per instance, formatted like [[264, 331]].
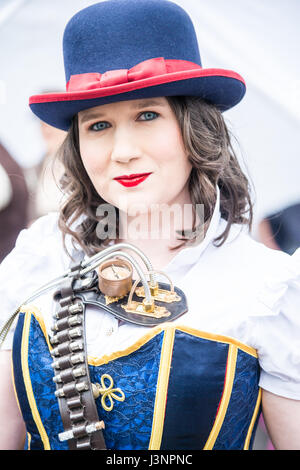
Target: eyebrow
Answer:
[[136, 104], [148, 102]]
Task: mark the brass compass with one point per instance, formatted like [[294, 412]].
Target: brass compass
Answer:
[[115, 277]]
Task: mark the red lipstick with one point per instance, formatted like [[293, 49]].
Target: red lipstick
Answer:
[[132, 180]]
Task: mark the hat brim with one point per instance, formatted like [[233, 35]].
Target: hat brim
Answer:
[[223, 88]]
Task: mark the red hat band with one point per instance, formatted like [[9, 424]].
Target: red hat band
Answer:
[[147, 69]]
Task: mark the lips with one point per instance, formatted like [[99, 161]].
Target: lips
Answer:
[[132, 180], [125, 177]]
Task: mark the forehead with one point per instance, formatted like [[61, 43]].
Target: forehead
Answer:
[[121, 105]]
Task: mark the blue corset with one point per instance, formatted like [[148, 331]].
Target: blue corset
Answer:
[[176, 388]]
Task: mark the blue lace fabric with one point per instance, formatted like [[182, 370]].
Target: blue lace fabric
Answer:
[[43, 387], [128, 425], [195, 388], [242, 403]]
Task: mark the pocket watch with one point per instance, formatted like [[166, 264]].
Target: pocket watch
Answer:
[[115, 277]]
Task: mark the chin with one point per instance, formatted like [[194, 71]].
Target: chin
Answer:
[[133, 204]]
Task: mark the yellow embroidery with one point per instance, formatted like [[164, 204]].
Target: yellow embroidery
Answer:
[[99, 361], [229, 379], [29, 441], [29, 311], [255, 413], [162, 389], [109, 393]]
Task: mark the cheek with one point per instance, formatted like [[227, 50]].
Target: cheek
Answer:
[[91, 158], [172, 152], [95, 164]]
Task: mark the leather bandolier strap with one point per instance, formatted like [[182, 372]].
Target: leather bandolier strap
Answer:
[[82, 428]]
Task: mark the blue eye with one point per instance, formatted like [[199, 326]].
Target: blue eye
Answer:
[[100, 126], [149, 115]]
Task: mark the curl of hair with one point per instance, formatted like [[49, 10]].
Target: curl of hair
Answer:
[[208, 142], [214, 162]]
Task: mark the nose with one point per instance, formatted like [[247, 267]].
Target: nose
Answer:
[[125, 146]]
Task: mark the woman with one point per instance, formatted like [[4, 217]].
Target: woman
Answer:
[[138, 102]]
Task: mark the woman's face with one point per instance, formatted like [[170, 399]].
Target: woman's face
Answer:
[[134, 137]]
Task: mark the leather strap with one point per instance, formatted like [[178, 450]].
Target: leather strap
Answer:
[[82, 428]]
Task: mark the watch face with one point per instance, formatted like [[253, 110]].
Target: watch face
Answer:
[[115, 272], [115, 277]]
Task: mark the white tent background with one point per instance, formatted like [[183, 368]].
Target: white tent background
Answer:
[[257, 38]]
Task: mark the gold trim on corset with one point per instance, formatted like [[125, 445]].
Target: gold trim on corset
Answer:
[[229, 378], [254, 416], [218, 338], [29, 440], [169, 330], [98, 361], [26, 374], [162, 389], [32, 310]]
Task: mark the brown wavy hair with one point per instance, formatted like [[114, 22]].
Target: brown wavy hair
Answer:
[[214, 162]]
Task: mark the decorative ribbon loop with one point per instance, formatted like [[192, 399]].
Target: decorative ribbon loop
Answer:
[[109, 393], [147, 69]]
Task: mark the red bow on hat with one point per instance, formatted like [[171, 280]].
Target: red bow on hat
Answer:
[[146, 69]]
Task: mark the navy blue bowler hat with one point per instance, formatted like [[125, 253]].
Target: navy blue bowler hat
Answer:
[[120, 50]]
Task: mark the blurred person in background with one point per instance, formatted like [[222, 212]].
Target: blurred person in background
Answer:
[[281, 230], [14, 199], [43, 178]]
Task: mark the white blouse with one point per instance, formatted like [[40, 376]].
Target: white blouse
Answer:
[[242, 289]]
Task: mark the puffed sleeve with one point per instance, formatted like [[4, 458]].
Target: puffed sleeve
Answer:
[[276, 329], [27, 267]]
